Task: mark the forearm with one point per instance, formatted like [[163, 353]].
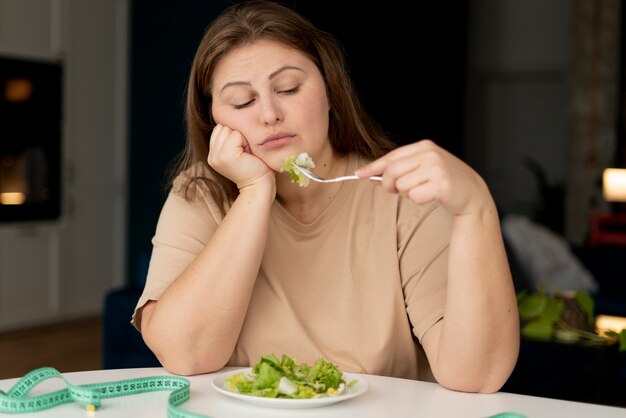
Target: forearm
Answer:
[[479, 337], [193, 328]]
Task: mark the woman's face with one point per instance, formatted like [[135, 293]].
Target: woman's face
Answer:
[[275, 97]]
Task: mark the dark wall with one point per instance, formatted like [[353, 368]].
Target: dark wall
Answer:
[[620, 151], [164, 37], [407, 62]]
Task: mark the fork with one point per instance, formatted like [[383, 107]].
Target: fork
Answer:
[[315, 177]]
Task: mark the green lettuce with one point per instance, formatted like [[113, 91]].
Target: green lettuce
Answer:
[[285, 378], [301, 160]]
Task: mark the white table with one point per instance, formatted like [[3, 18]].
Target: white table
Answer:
[[387, 397]]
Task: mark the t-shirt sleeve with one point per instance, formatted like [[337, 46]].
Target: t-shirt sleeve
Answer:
[[183, 229], [423, 250]]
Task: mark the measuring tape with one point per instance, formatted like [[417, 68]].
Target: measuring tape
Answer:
[[17, 401]]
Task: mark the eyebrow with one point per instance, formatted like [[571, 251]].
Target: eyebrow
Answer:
[[271, 76]]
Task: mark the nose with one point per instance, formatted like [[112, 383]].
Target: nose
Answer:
[[270, 112]]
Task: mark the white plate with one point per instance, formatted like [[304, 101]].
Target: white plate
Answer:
[[357, 389]]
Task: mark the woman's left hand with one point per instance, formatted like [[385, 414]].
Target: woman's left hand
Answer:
[[425, 172]]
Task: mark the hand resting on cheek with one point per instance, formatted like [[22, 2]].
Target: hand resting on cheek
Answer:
[[230, 155]]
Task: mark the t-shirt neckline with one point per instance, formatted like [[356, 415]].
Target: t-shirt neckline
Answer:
[[345, 190]]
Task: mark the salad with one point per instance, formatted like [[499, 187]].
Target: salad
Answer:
[[301, 160], [284, 378]]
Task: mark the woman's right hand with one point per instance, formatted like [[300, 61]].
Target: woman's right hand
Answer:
[[229, 155]]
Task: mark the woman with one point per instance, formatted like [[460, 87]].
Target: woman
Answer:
[[369, 276]]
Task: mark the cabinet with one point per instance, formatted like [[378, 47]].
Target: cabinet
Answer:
[[29, 275], [59, 269], [30, 28]]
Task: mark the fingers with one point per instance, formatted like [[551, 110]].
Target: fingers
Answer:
[[379, 166], [422, 183], [419, 171], [406, 167], [225, 148], [400, 169], [410, 180], [424, 193], [230, 155], [425, 172], [225, 144], [216, 143]]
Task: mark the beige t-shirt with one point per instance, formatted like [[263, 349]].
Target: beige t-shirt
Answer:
[[356, 286]]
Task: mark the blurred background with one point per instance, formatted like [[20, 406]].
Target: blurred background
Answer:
[[530, 93]]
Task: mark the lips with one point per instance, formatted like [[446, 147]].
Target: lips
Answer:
[[277, 139]]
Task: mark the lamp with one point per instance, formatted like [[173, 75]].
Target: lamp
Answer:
[[614, 184], [610, 228], [605, 323]]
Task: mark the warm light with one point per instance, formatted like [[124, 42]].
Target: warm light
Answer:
[[18, 90], [13, 198], [606, 322], [614, 184]]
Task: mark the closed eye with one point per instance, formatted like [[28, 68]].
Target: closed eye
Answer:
[[290, 91], [244, 105], [249, 103]]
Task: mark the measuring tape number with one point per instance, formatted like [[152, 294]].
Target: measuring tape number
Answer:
[[17, 401]]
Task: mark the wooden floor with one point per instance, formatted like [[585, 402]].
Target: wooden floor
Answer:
[[68, 347]]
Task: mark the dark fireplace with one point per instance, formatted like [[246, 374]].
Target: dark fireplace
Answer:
[[30, 140]]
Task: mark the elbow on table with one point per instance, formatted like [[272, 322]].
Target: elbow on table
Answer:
[[188, 365], [182, 361], [489, 380], [477, 386]]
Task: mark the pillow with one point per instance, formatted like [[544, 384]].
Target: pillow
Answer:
[[546, 258]]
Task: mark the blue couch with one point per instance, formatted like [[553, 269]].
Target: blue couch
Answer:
[[123, 346]]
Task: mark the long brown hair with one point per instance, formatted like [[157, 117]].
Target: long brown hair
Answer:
[[351, 130]]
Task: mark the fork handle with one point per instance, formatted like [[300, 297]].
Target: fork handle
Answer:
[[377, 178]]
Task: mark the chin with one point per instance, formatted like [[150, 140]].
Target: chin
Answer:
[[275, 160]]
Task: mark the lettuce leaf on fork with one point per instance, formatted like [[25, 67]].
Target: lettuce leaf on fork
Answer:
[[284, 378], [301, 160]]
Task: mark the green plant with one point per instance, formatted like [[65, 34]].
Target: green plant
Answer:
[[566, 316]]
